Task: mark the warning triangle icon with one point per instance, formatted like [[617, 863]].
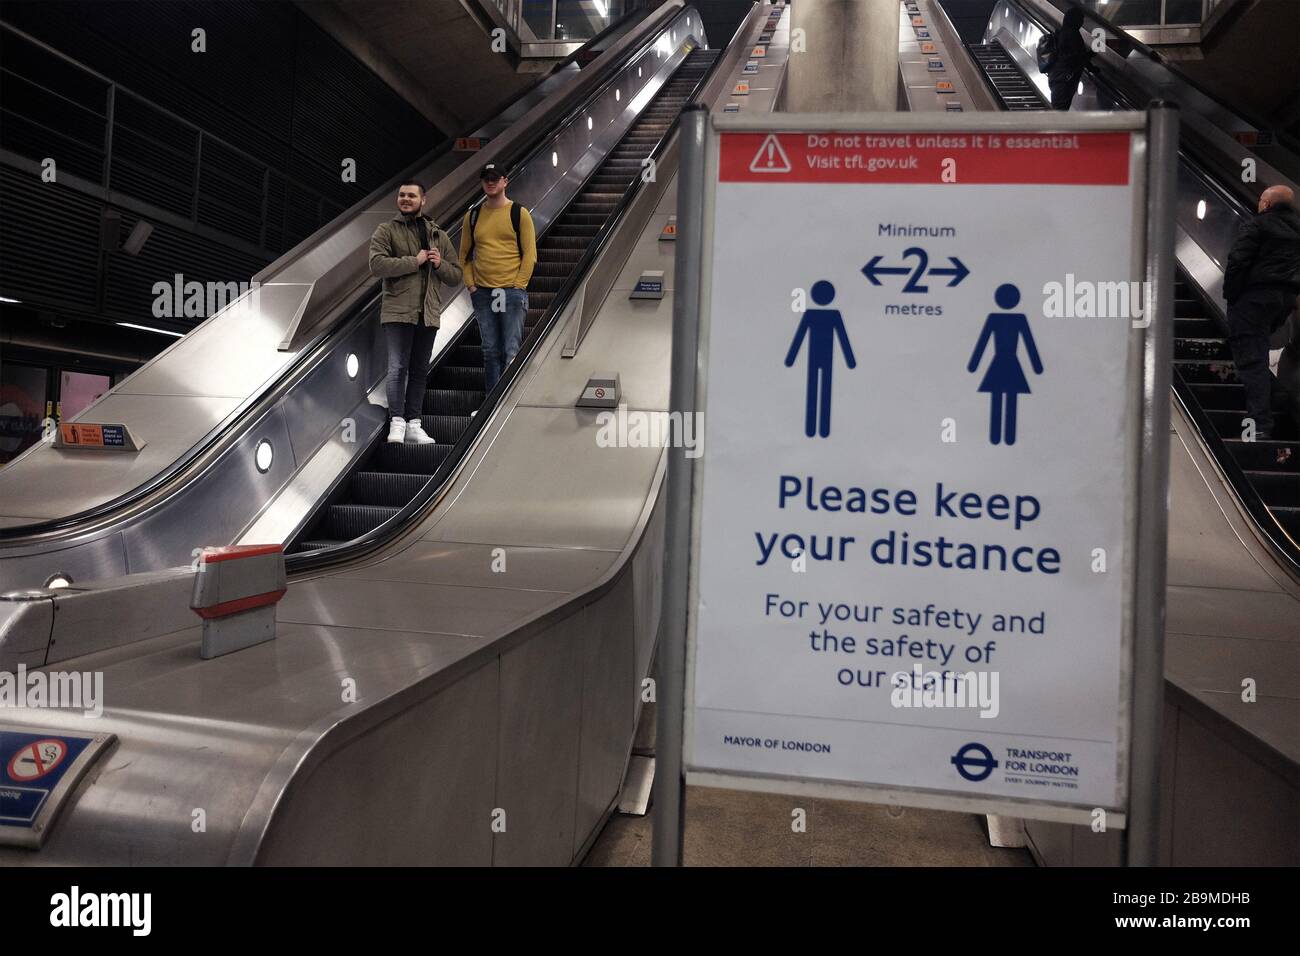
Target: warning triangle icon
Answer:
[[770, 158]]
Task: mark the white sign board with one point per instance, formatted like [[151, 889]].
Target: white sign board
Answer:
[[914, 526]]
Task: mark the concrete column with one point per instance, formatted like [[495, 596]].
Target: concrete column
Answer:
[[851, 61]]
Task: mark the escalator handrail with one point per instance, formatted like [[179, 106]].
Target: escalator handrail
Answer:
[[441, 479], [228, 431]]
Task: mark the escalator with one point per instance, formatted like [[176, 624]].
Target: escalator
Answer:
[[255, 447], [1015, 91], [1206, 382], [1265, 473], [389, 476]]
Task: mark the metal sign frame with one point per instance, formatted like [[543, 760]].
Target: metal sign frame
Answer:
[[32, 835], [1153, 160]]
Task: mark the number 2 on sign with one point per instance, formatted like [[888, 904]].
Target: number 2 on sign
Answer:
[[912, 284]]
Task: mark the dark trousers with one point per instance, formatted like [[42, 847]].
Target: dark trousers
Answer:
[[1063, 87], [1252, 318], [410, 352]]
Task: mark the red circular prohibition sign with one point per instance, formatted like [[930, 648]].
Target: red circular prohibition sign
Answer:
[[31, 762]]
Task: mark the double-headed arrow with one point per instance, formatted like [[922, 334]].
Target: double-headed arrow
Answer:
[[872, 269]]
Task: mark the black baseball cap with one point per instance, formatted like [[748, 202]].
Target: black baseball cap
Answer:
[[491, 171]]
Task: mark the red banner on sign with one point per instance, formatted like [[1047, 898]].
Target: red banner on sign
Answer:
[[1030, 158]]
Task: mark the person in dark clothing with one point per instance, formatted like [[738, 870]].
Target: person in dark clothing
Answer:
[[1260, 285], [1072, 55]]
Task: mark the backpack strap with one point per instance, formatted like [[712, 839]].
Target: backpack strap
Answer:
[[473, 226], [516, 216]]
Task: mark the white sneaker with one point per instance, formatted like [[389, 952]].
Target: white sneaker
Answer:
[[397, 430], [416, 434]]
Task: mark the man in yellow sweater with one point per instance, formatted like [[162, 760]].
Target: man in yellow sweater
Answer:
[[498, 246]]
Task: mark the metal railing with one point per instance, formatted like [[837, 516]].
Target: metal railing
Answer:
[[108, 136]]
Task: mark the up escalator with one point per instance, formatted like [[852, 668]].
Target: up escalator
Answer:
[[1265, 473], [389, 476], [1207, 383], [1015, 91]]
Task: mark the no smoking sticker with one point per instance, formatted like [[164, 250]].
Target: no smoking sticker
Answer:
[[37, 759]]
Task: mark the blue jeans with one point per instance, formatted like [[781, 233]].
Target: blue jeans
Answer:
[[410, 350], [502, 330]]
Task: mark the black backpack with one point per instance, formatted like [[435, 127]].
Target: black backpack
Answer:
[[516, 213], [1049, 52]]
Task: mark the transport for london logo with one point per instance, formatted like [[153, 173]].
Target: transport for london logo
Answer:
[[974, 762]]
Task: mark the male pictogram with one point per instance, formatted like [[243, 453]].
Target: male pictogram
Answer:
[[822, 327]]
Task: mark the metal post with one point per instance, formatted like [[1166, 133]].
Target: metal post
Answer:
[[1143, 835], [669, 788]]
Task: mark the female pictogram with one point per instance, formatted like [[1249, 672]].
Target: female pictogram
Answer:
[[1005, 380]]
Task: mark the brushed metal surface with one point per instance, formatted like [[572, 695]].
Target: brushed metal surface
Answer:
[[540, 746], [610, 701], [546, 445], [439, 756], [487, 566], [410, 606], [49, 482]]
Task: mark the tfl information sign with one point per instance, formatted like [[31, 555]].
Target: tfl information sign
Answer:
[[915, 525]]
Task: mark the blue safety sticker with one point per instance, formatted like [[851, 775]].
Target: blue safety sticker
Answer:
[[31, 766], [114, 435]]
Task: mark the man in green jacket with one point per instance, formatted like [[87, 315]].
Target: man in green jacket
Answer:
[[412, 254]]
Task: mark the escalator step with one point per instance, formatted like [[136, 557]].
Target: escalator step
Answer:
[[1278, 489], [345, 522], [1194, 325], [570, 257], [1212, 372], [595, 220], [1201, 349], [445, 429], [388, 489], [466, 354], [411, 459], [457, 376], [1192, 309], [452, 401], [1227, 423], [574, 231], [1272, 455], [1223, 396], [301, 546]]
